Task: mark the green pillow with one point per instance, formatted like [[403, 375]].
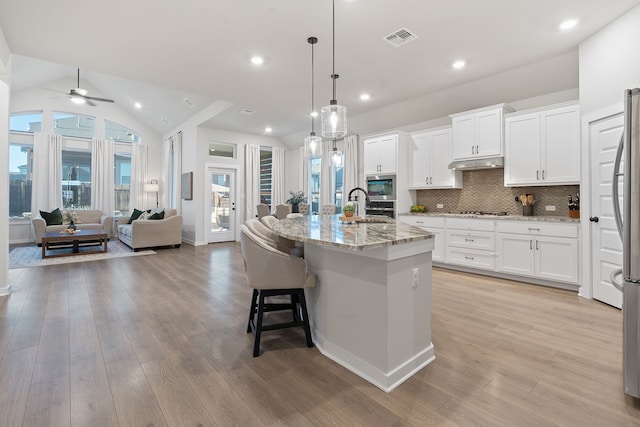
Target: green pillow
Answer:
[[52, 218], [135, 215], [157, 215]]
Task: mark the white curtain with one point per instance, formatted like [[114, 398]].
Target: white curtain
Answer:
[[277, 176], [326, 193], [102, 175], [303, 180], [252, 179], [137, 196], [170, 184], [46, 193], [350, 171]]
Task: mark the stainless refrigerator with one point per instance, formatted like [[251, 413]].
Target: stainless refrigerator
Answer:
[[628, 222]]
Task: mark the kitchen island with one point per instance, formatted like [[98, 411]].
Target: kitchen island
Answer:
[[371, 308]]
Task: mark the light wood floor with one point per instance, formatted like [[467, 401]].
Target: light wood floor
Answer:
[[160, 340]]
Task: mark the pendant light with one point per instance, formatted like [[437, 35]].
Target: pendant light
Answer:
[[334, 116], [312, 143], [336, 156]]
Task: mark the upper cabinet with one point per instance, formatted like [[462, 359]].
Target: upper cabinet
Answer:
[[479, 133], [380, 155], [543, 146], [430, 155]]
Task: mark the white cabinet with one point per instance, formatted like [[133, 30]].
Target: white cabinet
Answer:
[[543, 147], [434, 225], [538, 249], [380, 155], [430, 157], [470, 243], [479, 133]]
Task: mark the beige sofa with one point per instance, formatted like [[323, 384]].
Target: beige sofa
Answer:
[[151, 233], [86, 219]]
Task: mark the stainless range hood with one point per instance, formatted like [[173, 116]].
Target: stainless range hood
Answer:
[[476, 164]]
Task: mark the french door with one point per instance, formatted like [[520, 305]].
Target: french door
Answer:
[[220, 198]]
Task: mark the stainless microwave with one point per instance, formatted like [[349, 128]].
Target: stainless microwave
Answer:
[[381, 187]]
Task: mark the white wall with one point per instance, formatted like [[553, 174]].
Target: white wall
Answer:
[[5, 81], [610, 63]]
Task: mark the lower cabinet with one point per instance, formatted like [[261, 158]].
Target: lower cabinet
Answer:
[[543, 251], [470, 243], [434, 225]]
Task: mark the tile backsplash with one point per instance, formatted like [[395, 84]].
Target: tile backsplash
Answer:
[[484, 190]]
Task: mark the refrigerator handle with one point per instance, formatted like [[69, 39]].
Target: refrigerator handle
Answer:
[[614, 281], [614, 190]]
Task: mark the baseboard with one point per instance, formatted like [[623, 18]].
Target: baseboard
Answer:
[[6, 290]]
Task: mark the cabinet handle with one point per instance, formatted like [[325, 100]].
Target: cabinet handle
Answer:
[[468, 240], [472, 152], [430, 180], [537, 241], [534, 229], [542, 173], [469, 257], [477, 150], [530, 244], [419, 222], [537, 175]]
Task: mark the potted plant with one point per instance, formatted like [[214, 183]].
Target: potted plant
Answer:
[[349, 210], [296, 198]]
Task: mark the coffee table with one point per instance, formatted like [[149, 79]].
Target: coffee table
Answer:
[[57, 240]]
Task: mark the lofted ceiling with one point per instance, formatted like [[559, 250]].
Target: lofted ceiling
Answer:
[[158, 53]]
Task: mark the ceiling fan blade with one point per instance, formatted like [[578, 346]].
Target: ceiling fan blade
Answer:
[[88, 100], [94, 98]]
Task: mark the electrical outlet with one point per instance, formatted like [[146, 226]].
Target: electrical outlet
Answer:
[[550, 208], [439, 206], [416, 277]]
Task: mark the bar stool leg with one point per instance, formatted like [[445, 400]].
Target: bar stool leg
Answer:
[[256, 342], [252, 312], [305, 320]]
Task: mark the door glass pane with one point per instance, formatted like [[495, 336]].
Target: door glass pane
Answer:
[[220, 203], [76, 179], [20, 173], [122, 177]]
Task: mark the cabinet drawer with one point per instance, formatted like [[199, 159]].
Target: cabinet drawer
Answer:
[[423, 221], [481, 240], [470, 258], [537, 228], [470, 224]]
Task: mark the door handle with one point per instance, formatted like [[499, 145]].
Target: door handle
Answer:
[[594, 219]]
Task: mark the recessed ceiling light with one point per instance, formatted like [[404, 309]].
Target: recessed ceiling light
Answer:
[[568, 24], [268, 130], [458, 64], [365, 97], [257, 60], [137, 105]]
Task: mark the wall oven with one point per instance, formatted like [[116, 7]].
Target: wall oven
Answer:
[[386, 208], [381, 187]]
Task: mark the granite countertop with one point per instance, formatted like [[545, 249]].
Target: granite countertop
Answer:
[[328, 230], [549, 218]]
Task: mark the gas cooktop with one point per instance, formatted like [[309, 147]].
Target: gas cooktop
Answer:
[[488, 213]]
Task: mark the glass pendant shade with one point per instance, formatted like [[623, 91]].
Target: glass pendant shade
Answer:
[[336, 158], [334, 120], [313, 146]]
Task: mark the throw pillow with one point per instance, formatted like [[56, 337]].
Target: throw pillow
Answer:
[[157, 215], [52, 218], [135, 215], [144, 216]]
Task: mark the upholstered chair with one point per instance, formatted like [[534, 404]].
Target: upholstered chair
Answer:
[[303, 208], [282, 211], [263, 210], [271, 272], [328, 209], [285, 245]]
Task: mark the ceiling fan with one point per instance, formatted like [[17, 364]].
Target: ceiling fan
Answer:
[[80, 96]]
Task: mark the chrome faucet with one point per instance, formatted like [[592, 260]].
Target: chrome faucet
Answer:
[[355, 198]]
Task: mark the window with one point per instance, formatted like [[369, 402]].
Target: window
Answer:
[[115, 132], [336, 182], [314, 184], [76, 125], [76, 179], [265, 175], [222, 149], [26, 122], [122, 175], [20, 175]]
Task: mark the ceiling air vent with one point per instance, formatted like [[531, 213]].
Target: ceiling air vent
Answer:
[[189, 103], [247, 112], [400, 37]]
